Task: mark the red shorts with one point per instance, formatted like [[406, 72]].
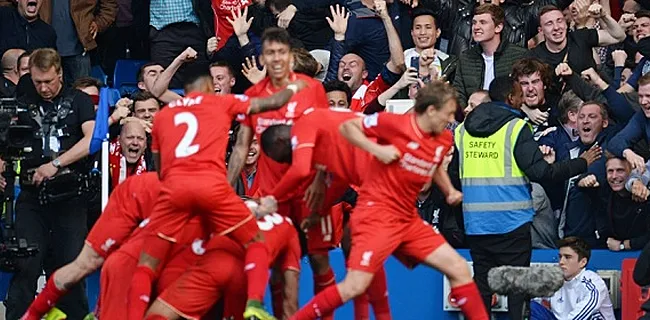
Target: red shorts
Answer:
[[378, 233], [214, 200], [327, 233], [216, 273], [111, 229], [115, 280]]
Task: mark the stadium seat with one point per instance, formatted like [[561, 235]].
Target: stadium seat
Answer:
[[98, 73], [126, 72], [179, 91], [114, 96]]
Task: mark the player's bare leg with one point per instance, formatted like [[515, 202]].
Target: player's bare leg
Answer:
[[376, 294], [291, 280], [161, 311], [63, 280], [463, 289], [144, 275], [277, 292]]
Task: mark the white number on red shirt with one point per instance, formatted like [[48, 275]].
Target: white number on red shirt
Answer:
[[267, 223], [185, 148]]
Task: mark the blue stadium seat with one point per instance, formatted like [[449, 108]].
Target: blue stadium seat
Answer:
[[114, 96], [98, 73], [127, 90], [179, 91], [125, 73]]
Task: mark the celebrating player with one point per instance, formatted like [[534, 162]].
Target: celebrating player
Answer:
[[130, 203], [187, 139], [408, 153], [314, 142], [216, 273], [276, 56]]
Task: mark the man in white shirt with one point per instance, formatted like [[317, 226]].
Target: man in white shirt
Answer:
[[584, 294]]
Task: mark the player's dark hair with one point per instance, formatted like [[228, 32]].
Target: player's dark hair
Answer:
[[223, 64], [140, 74], [275, 34], [276, 143], [194, 75], [576, 244], [435, 94], [421, 11], [337, 85]]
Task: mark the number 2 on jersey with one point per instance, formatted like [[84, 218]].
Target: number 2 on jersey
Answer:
[[185, 148]]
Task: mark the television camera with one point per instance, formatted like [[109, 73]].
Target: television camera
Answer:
[[17, 137]]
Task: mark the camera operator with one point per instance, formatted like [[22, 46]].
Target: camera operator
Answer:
[[50, 210]]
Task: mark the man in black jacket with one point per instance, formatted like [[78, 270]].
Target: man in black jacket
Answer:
[[21, 27]]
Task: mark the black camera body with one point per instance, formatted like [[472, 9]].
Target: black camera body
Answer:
[[17, 133], [17, 140]]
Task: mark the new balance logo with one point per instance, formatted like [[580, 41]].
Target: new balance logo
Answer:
[[365, 258], [108, 244], [413, 145], [249, 266]]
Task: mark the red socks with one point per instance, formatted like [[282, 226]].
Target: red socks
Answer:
[[155, 317], [323, 303], [256, 266], [377, 294], [322, 281], [44, 301], [469, 301], [277, 298], [361, 311], [139, 293]]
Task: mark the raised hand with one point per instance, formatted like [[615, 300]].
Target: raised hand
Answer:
[[251, 72], [239, 23], [285, 17], [339, 21]]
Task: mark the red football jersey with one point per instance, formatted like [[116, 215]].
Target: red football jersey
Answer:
[[395, 186], [191, 134], [269, 172], [130, 204], [280, 238], [223, 9], [317, 144]]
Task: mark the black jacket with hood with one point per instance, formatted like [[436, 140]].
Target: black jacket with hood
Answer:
[[488, 118]]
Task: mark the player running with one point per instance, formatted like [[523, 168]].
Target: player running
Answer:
[[408, 153], [189, 136]]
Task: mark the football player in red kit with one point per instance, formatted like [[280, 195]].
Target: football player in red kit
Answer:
[[217, 274], [129, 205], [407, 153], [276, 56], [188, 137], [314, 142]]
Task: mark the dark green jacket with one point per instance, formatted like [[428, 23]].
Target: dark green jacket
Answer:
[[471, 69]]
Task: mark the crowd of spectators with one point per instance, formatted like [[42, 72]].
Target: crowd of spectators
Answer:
[[583, 68]]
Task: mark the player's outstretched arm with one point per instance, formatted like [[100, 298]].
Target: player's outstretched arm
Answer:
[[239, 153], [352, 130], [277, 100]]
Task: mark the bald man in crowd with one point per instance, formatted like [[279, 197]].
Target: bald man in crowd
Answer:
[[10, 75]]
